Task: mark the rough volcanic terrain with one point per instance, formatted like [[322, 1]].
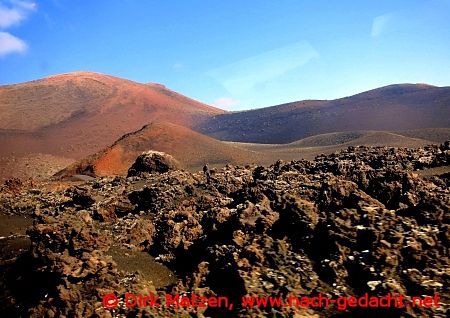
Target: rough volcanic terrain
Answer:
[[364, 220]]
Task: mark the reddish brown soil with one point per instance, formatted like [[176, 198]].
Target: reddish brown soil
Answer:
[[190, 148]]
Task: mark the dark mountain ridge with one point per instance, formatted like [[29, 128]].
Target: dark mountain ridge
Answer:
[[394, 107]]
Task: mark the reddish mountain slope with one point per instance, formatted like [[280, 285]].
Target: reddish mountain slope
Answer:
[[76, 114], [61, 99], [394, 107], [79, 113], [190, 148]]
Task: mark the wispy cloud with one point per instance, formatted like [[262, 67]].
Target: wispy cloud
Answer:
[[227, 103], [11, 44], [177, 66], [9, 17], [15, 12], [241, 76], [379, 24], [12, 13], [25, 5]]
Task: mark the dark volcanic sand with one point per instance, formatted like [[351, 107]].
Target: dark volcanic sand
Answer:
[[14, 224], [135, 261]]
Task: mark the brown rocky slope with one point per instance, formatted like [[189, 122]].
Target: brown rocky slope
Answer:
[[363, 220]]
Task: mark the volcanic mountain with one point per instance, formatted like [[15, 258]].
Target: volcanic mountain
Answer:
[[394, 107], [73, 115], [93, 122], [190, 148]]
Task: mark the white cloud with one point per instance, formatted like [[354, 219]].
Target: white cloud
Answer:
[[240, 77], [379, 24], [11, 44], [226, 103], [177, 66], [25, 5], [15, 13], [10, 15]]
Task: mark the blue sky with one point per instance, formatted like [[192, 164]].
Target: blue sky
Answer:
[[233, 54]]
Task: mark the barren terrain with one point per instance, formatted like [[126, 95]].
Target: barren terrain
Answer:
[[75, 118], [104, 191], [363, 220]]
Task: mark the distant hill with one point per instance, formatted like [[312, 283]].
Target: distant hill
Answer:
[[433, 134], [190, 148], [394, 107], [310, 147], [368, 138]]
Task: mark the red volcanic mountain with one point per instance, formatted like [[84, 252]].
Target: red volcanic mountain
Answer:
[[73, 115], [391, 108], [93, 122], [190, 148]]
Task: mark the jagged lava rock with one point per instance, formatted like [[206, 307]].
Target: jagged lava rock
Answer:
[[153, 162]]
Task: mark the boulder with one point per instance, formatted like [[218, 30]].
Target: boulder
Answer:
[[153, 162]]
